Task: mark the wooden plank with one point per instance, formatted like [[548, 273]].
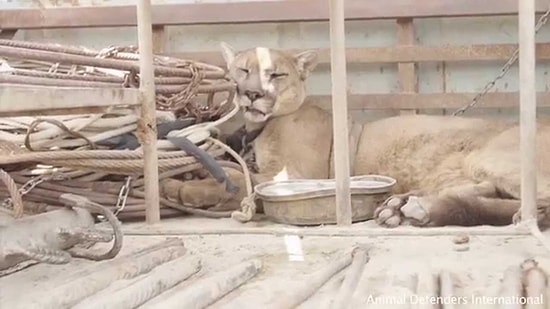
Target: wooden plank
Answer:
[[7, 34], [408, 80], [429, 100], [17, 99], [252, 12], [395, 54], [159, 40], [46, 99]]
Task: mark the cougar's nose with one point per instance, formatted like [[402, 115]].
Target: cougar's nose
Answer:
[[253, 95]]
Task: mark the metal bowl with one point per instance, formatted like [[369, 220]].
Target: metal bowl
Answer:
[[312, 201]]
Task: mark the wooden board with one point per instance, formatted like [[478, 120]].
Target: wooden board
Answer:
[[252, 12], [85, 100], [406, 71], [25, 100], [395, 54], [159, 39], [7, 34], [430, 100]]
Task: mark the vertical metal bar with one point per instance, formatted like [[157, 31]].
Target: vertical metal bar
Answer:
[[148, 123], [340, 112], [528, 109]]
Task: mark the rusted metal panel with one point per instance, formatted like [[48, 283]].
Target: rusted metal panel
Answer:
[[252, 12]]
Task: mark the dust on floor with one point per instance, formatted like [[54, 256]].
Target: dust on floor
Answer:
[[396, 266]]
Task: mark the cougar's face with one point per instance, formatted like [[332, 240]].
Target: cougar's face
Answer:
[[269, 83]]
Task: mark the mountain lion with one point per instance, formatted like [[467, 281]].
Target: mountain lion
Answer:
[[449, 170]]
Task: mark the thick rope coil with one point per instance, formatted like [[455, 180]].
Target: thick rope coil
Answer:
[[48, 256], [89, 235], [18, 267], [38, 255], [16, 198], [179, 81], [82, 202], [58, 124]]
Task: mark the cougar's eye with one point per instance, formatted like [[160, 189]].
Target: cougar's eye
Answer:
[[277, 75], [245, 71]]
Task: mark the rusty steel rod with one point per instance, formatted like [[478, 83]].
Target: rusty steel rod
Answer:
[[125, 55], [351, 280], [64, 80], [126, 65], [167, 84], [91, 78]]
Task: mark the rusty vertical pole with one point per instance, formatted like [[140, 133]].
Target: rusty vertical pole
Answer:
[[148, 123], [340, 112]]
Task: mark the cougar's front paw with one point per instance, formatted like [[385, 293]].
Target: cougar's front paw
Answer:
[[192, 193], [206, 193], [401, 210]]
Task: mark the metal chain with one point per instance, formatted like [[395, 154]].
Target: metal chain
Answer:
[[540, 23], [123, 196], [33, 182], [29, 185]]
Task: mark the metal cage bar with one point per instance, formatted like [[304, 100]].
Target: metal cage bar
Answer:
[[147, 123], [340, 112], [528, 118], [528, 109]]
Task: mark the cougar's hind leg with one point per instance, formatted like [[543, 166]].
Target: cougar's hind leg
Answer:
[[464, 205]]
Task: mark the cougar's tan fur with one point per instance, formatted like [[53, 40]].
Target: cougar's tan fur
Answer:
[[461, 171]]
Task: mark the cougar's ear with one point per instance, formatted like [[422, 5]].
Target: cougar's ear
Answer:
[[228, 53], [306, 62]]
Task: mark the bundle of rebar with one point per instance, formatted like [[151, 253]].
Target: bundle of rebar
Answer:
[[182, 86], [98, 155]]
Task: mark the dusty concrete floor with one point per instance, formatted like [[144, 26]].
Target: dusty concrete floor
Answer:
[[396, 265]]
